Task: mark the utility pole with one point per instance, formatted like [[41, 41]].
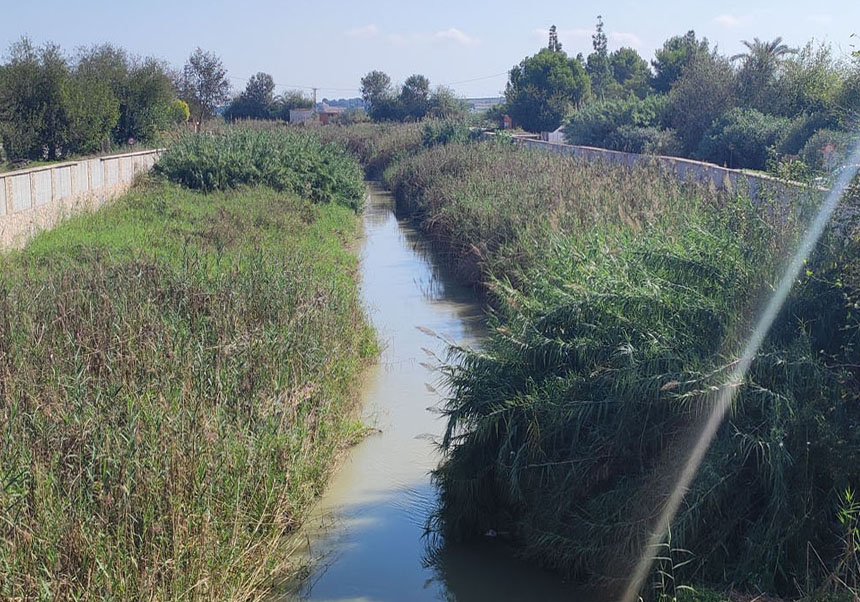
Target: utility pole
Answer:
[[315, 95]]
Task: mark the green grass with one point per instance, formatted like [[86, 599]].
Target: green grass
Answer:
[[177, 375]]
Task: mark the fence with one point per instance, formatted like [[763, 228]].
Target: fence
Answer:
[[36, 199]]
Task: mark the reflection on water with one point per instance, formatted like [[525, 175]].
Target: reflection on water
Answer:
[[365, 539]]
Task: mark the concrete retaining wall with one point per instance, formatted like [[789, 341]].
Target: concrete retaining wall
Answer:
[[720, 178], [35, 199]]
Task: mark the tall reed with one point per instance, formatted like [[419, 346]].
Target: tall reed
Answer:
[[620, 299], [177, 372]]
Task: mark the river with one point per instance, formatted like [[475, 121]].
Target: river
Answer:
[[365, 539]]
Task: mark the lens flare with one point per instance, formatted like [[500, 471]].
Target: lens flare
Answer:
[[726, 393]]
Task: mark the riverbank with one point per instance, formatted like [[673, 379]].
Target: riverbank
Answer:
[[178, 375], [621, 297]]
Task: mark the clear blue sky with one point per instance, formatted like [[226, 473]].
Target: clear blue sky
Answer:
[[331, 44]]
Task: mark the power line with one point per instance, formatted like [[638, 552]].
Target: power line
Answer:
[[244, 79], [475, 79]]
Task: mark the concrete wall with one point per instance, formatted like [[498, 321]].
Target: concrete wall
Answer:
[[35, 199], [720, 178]]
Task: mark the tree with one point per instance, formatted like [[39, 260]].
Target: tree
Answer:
[[554, 44], [143, 87], [809, 83], [597, 64], [630, 71], [376, 92], [705, 92], [91, 113], [756, 78], [203, 84], [145, 104], [33, 117], [444, 104], [543, 88], [414, 96], [670, 60], [291, 99], [256, 101]]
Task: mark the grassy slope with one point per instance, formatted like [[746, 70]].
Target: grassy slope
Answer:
[[176, 375]]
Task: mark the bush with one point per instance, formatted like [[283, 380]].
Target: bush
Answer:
[[282, 159], [445, 131], [802, 128], [825, 149], [649, 140], [597, 124], [742, 137]]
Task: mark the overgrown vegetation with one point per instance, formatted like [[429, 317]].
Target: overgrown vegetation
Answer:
[[281, 158], [177, 373], [375, 145], [620, 300]]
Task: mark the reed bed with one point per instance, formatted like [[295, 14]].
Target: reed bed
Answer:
[[277, 157], [620, 301], [375, 145], [177, 375]]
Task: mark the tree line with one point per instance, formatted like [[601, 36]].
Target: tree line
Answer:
[[771, 106], [413, 101], [54, 105]]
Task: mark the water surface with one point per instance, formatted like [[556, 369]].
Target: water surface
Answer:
[[365, 539]]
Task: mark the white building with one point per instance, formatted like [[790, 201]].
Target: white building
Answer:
[[301, 115]]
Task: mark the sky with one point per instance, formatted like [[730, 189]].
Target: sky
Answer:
[[465, 45]]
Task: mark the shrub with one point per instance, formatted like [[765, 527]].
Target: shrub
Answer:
[[282, 159], [802, 127], [742, 137], [179, 112], [596, 124], [448, 130], [650, 140], [824, 149]]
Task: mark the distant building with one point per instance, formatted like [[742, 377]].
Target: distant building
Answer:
[[301, 115], [556, 137], [328, 113]]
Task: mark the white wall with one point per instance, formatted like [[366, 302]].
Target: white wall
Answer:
[[35, 199]]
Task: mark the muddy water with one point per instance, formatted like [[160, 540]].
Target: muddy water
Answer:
[[365, 539]]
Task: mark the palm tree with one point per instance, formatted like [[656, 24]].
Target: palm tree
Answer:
[[760, 64], [766, 52]]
